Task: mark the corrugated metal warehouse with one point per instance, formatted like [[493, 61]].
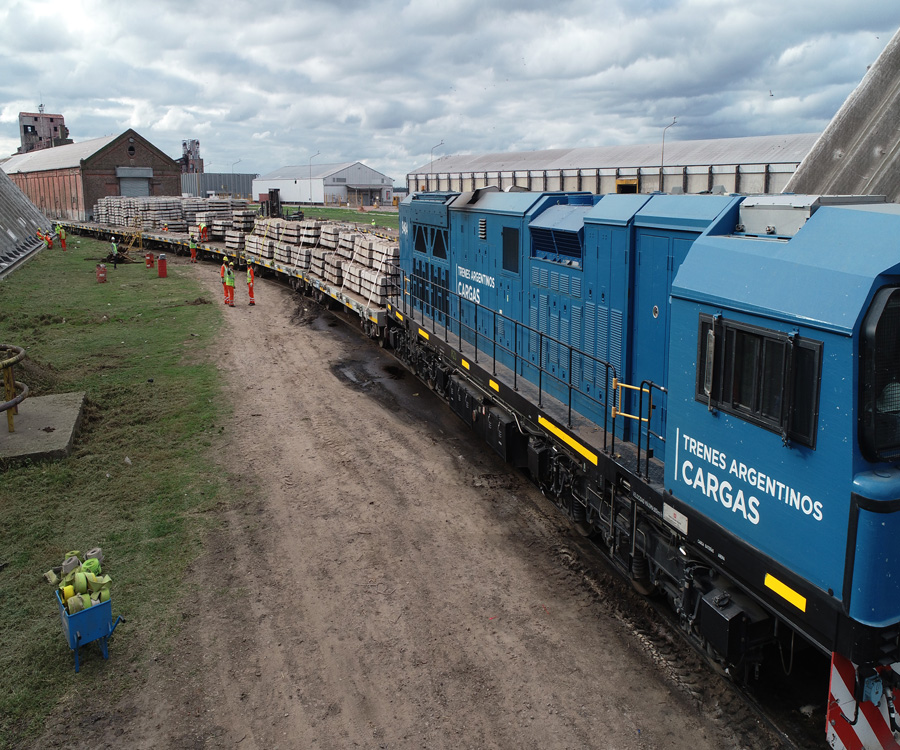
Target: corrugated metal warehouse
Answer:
[[352, 183], [756, 164], [206, 184], [65, 182]]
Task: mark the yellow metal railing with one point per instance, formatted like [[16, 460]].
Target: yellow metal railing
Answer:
[[616, 412]]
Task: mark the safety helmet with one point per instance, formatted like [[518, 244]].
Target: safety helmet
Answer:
[[231, 264]]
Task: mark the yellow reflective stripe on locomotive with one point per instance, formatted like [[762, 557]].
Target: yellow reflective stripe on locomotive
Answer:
[[568, 440], [786, 592]]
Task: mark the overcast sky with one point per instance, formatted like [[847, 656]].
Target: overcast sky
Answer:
[[270, 84]]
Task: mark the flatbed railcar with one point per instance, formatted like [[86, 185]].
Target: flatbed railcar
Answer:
[[373, 317], [709, 386]]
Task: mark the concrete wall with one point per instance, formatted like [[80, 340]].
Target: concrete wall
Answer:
[[859, 152]]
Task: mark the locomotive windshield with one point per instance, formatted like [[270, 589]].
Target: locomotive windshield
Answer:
[[880, 345]]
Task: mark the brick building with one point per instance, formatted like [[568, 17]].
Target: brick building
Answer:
[[39, 130], [65, 182]]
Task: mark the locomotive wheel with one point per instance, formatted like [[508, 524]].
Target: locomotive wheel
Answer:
[[583, 528], [578, 514], [644, 588]]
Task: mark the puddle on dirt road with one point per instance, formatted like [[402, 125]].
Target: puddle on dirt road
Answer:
[[305, 314], [360, 376]]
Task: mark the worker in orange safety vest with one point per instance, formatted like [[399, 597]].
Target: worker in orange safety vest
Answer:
[[229, 285], [250, 278], [223, 270]]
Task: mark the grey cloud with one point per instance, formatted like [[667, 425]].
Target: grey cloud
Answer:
[[386, 81]]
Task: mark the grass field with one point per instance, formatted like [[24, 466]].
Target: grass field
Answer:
[[139, 346], [388, 219]]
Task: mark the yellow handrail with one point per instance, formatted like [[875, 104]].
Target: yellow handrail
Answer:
[[617, 387]]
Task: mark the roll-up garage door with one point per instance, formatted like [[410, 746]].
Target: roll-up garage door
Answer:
[[134, 187], [134, 182]]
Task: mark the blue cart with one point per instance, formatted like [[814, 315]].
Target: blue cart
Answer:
[[92, 624]]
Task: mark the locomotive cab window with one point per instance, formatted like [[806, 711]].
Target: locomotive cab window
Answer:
[[419, 244], [766, 377], [440, 244], [511, 249], [880, 378]]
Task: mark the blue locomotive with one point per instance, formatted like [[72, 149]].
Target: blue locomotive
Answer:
[[708, 385]]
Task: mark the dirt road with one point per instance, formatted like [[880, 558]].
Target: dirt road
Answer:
[[386, 582]]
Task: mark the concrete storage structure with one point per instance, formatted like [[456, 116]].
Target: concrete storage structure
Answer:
[[858, 153], [756, 164], [19, 222], [66, 182], [349, 182]]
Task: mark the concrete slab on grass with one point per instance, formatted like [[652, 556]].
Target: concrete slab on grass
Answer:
[[45, 428]]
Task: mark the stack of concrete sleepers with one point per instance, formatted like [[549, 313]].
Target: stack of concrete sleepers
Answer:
[[332, 272], [261, 247], [346, 243], [234, 240], [283, 252], [242, 220], [320, 258], [290, 232], [272, 229], [159, 212], [329, 235], [218, 228], [190, 207], [302, 256], [308, 231]]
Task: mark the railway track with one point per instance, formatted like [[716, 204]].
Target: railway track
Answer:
[[758, 721]]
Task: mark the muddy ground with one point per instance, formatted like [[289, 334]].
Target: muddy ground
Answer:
[[385, 582]]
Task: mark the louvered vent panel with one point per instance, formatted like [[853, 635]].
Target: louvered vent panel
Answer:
[[615, 353], [554, 333]]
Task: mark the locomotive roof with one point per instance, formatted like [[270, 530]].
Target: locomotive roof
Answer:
[[822, 277], [514, 203]]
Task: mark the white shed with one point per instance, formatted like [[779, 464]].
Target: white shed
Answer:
[[350, 183]]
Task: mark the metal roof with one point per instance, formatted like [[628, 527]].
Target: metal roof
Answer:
[[60, 157], [303, 171], [761, 275], [758, 149]]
